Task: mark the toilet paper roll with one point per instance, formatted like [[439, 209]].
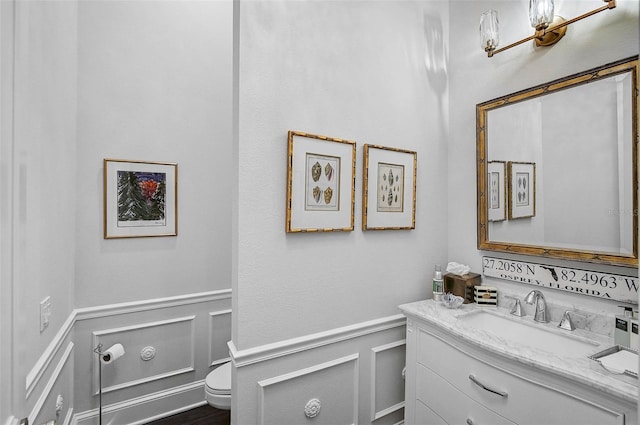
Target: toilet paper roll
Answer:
[[112, 354]]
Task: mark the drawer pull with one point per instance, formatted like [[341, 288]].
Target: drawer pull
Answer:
[[484, 387], [469, 421]]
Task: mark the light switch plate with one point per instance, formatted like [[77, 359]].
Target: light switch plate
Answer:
[[45, 313]]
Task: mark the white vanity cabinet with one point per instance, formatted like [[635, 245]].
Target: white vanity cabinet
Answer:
[[450, 380]]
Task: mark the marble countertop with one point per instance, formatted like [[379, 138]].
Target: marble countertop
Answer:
[[573, 367]]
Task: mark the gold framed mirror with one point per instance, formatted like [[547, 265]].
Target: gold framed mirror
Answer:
[[562, 156]]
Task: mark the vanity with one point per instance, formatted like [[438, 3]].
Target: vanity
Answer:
[[482, 366]]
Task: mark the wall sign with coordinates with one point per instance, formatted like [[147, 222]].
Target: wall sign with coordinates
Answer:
[[602, 285]]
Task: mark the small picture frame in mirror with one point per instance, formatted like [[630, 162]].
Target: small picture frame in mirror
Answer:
[[522, 189], [497, 190]]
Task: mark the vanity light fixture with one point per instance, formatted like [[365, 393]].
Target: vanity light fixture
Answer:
[[549, 29]]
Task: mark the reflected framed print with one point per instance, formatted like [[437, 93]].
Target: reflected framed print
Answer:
[[320, 183], [522, 189], [140, 199], [497, 190], [389, 188]]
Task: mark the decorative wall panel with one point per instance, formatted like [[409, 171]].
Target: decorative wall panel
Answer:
[[219, 335], [387, 389], [326, 393], [173, 341]]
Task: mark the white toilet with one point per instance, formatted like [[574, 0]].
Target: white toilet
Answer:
[[217, 388]]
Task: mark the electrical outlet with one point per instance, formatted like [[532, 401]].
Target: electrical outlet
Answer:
[[45, 313]]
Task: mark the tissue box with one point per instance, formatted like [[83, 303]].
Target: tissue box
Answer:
[[462, 286], [486, 295]]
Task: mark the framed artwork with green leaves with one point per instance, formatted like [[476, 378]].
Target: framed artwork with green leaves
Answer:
[[140, 199]]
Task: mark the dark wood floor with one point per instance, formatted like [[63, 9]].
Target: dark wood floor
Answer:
[[204, 415]]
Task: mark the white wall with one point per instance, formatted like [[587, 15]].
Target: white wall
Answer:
[[371, 72], [351, 70], [43, 175], [154, 84], [600, 39], [6, 190], [133, 80]]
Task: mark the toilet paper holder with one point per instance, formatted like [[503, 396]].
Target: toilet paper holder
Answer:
[[107, 356]]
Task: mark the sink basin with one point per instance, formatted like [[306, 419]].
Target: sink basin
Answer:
[[523, 331]]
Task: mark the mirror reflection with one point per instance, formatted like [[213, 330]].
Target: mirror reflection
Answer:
[[557, 168]]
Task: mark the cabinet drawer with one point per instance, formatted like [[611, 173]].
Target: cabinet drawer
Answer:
[[450, 404], [524, 401], [426, 416]]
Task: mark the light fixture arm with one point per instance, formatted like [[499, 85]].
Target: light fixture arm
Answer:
[[558, 29]]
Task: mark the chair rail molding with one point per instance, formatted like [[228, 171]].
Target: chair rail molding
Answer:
[[309, 342]]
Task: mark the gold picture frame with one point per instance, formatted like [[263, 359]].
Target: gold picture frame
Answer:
[[320, 183], [497, 190], [389, 188], [522, 189], [140, 199]]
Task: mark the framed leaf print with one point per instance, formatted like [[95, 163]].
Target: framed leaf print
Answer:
[[522, 189], [389, 188], [320, 183], [140, 199], [497, 190]]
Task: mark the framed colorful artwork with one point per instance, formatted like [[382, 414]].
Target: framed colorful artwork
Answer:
[[522, 189], [497, 190], [320, 183], [140, 199], [389, 188]]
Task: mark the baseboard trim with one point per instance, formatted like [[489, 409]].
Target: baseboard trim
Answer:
[[174, 400], [268, 352]]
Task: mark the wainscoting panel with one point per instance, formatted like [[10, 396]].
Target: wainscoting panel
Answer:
[[323, 394], [387, 393], [174, 336], [56, 390], [219, 335], [153, 351], [352, 374]]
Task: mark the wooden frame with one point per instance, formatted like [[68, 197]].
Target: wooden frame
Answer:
[[522, 189], [320, 183], [628, 65], [497, 190], [392, 204], [140, 198]]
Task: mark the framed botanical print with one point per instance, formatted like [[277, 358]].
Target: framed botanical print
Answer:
[[389, 188], [497, 190], [320, 183], [522, 189], [140, 199]]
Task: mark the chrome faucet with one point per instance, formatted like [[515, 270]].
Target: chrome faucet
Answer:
[[536, 297]]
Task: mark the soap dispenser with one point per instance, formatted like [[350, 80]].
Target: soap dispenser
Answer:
[[634, 341], [622, 330], [438, 284]]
